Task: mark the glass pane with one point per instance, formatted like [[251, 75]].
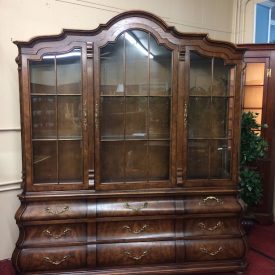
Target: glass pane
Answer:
[[160, 69], [44, 161], [70, 161], [112, 117], [258, 112], [69, 116], [159, 152], [43, 117], [43, 75], [69, 68], [136, 117], [253, 96], [136, 160], [198, 159], [220, 159], [221, 78], [112, 68], [159, 118], [136, 57], [254, 74], [200, 74], [112, 161], [207, 117]]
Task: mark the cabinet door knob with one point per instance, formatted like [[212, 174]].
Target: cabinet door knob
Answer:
[[56, 262], [136, 209]]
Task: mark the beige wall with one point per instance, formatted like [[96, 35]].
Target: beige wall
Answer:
[[24, 19]]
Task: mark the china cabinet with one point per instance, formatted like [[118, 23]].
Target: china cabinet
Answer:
[[259, 98], [130, 137]]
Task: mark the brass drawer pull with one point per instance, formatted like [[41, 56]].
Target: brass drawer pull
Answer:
[[65, 232], [136, 257], [136, 209], [211, 253], [53, 262], [57, 212], [136, 231], [209, 199], [203, 226]]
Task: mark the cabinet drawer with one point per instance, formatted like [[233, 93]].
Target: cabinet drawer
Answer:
[[61, 258], [135, 207], [136, 253], [208, 250], [128, 230], [50, 210], [212, 204], [53, 234], [211, 226]]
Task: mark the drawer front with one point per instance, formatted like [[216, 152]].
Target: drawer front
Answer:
[[212, 204], [136, 253], [211, 226], [52, 234], [61, 258], [129, 230], [52, 210], [135, 207], [209, 250]]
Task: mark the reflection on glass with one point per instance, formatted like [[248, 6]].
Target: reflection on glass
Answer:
[[136, 62], [160, 69], [112, 68], [45, 162], [207, 117], [254, 74], [253, 96], [159, 152], [42, 75], [200, 74], [257, 112], [159, 117], [136, 117], [70, 161], [112, 117], [112, 161], [136, 165], [69, 116], [44, 117], [68, 67]]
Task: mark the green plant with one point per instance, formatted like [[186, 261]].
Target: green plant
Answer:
[[253, 148]]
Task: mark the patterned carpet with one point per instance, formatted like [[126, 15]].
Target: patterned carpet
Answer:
[[261, 255]]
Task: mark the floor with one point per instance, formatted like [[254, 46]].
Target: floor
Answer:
[[261, 254]]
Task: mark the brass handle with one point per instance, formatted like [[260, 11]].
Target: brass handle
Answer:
[[136, 209], [209, 199], [57, 212], [137, 231], [85, 123], [136, 257], [57, 262], [203, 226], [65, 232], [185, 115], [211, 253]]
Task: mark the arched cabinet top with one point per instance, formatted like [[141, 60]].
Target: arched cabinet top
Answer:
[[108, 32]]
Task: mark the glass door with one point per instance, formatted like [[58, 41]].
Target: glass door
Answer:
[[56, 107], [210, 117], [135, 98]]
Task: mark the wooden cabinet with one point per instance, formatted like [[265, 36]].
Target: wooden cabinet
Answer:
[[259, 98], [130, 137]]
